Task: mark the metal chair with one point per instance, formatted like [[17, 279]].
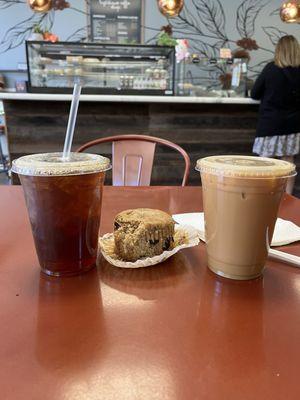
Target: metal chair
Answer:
[[4, 164], [132, 158]]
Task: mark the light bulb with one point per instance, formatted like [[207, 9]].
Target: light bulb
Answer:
[[40, 5], [290, 11], [170, 8]]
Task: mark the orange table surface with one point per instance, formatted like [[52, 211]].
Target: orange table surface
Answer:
[[170, 332]]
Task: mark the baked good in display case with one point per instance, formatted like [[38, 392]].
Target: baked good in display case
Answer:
[[74, 59]]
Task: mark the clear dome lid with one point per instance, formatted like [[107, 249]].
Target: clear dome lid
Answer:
[[52, 164], [245, 166]]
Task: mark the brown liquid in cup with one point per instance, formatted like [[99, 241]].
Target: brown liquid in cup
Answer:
[[64, 199], [240, 216], [65, 213]]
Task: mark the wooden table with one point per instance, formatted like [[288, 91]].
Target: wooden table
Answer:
[[170, 332]]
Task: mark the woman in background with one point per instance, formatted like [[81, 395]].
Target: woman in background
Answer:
[[278, 88]]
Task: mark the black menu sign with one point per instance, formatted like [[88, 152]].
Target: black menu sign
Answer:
[[116, 21]]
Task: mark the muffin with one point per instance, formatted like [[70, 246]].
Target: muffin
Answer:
[[142, 232], [74, 59], [91, 60]]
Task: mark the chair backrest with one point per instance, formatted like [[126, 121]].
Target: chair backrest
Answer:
[[132, 158]]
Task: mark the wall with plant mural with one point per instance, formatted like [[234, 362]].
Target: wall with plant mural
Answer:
[[251, 26]]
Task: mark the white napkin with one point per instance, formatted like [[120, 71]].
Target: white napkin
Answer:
[[285, 231]]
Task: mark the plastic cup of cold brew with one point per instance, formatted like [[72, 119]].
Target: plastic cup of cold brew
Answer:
[[64, 199]]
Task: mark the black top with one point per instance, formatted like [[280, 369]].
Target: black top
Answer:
[[279, 92]]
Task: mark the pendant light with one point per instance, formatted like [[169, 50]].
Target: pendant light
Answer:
[[40, 5], [290, 11], [170, 8]]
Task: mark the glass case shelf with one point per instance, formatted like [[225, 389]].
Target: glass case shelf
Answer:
[[215, 77], [126, 69]]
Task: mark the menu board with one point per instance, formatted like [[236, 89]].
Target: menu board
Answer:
[[116, 21]]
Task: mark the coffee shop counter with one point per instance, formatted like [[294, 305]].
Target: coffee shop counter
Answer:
[[202, 125], [127, 99]]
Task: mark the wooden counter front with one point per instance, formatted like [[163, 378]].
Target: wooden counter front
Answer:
[[202, 129]]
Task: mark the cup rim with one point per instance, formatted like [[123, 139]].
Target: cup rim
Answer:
[[52, 164], [61, 175], [217, 173]]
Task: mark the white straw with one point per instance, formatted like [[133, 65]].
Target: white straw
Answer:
[[71, 122]]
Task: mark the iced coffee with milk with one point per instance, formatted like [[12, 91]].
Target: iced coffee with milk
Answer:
[[241, 197]]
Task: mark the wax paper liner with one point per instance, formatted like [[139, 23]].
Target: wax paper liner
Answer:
[[185, 236]]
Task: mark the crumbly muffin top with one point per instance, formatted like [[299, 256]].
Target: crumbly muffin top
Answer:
[[147, 215]]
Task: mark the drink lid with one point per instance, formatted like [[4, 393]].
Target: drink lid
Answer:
[[245, 166], [52, 164]]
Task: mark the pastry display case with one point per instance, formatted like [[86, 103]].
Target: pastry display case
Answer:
[[212, 77], [100, 68]]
